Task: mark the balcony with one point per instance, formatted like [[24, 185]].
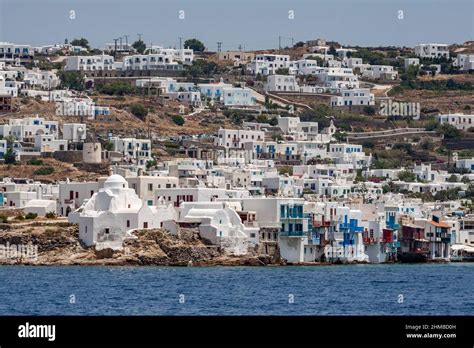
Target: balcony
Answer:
[[286, 233]]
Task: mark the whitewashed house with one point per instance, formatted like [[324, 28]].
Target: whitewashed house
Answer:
[[460, 121], [281, 83], [268, 64], [432, 50], [465, 62], [356, 96], [89, 63], [220, 223]]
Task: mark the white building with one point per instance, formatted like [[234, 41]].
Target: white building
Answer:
[[239, 96], [48, 143], [136, 151], [183, 55], [411, 61], [74, 132], [7, 89], [466, 163], [385, 72], [220, 223], [465, 62], [25, 129], [268, 64], [350, 153], [12, 53], [281, 83], [236, 138], [338, 78], [356, 96], [40, 207], [460, 121], [213, 90], [432, 50], [150, 61], [89, 63], [73, 194], [305, 67], [43, 79]]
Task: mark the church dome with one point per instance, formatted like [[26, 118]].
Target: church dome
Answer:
[[115, 181]]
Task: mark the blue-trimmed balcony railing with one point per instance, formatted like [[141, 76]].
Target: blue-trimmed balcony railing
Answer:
[[350, 227], [287, 233]]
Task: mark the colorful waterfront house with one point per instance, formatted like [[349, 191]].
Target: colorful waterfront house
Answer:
[[413, 245], [349, 236], [438, 234], [295, 227]]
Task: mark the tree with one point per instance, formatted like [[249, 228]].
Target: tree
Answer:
[[340, 136], [139, 110], [150, 164], [368, 144], [80, 42], [332, 51], [369, 110], [452, 178], [115, 88], [9, 157], [200, 67], [195, 45], [282, 71], [465, 180], [406, 176], [449, 131], [72, 80], [139, 45], [299, 44]]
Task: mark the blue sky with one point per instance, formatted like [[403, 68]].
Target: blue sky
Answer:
[[251, 23]]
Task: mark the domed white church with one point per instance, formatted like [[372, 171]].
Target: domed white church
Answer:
[[107, 217]]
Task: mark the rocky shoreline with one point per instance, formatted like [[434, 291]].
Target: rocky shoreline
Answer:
[[58, 244]]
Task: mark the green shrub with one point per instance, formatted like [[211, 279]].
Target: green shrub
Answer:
[[20, 217], [35, 162], [44, 171], [3, 219], [139, 110], [50, 215], [31, 216], [178, 120]]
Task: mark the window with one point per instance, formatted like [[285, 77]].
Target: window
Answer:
[[128, 223], [150, 187], [145, 225], [107, 231]]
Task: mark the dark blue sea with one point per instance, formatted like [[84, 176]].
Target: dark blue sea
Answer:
[[421, 289]]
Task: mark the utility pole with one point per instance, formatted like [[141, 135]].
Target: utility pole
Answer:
[[115, 47], [240, 47], [279, 44], [121, 45], [219, 45], [139, 37], [180, 43], [126, 41]]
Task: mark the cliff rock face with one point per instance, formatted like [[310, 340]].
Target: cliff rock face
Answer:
[[58, 244]]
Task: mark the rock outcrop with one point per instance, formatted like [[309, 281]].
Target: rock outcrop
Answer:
[[59, 244]]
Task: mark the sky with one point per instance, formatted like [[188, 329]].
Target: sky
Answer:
[[254, 24]]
